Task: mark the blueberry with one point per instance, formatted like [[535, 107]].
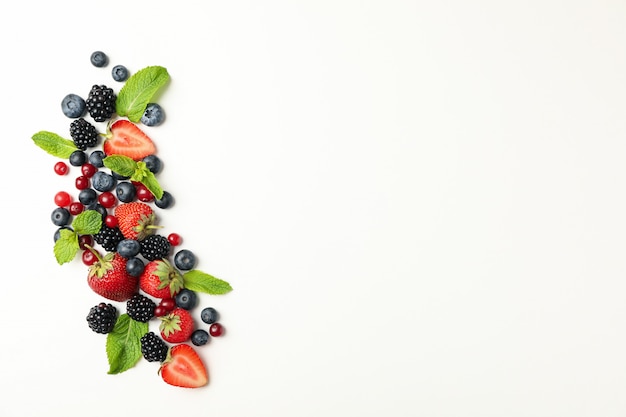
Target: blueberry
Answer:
[[209, 315], [125, 192], [73, 106], [153, 115], [185, 259], [128, 248], [78, 158], [186, 299], [166, 201], [57, 234], [60, 216], [199, 337], [120, 73], [119, 177], [102, 181], [87, 196], [153, 163], [99, 59], [96, 158], [134, 266]]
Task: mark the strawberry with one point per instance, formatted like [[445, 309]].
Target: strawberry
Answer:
[[125, 138], [160, 279], [108, 277], [183, 368], [136, 220], [177, 326]]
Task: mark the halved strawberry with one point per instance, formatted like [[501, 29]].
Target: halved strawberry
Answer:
[[183, 368], [125, 138]]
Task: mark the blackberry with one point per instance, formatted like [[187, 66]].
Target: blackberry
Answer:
[[140, 308], [101, 102], [109, 237], [102, 318], [155, 247], [153, 347], [83, 133]]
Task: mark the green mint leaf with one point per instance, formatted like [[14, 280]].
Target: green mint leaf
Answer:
[[138, 91], [143, 175], [66, 247], [123, 345], [54, 144], [88, 222], [121, 164], [201, 282]]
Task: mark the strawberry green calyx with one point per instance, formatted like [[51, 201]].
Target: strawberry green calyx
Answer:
[[103, 265], [169, 277]]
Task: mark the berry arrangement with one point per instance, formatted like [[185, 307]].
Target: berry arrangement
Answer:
[[109, 220]]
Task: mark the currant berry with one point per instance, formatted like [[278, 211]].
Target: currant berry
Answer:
[[76, 208], [111, 221], [84, 241], [88, 170], [216, 330], [143, 194], [62, 199], [174, 239], [82, 182], [107, 199], [168, 304], [61, 168], [159, 311]]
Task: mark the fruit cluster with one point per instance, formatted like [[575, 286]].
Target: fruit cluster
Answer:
[[110, 221]]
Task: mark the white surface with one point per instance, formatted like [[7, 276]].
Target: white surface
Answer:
[[420, 205]]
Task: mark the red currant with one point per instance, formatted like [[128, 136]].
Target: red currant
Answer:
[[89, 257], [216, 330], [168, 304], [88, 170], [76, 208], [174, 239], [61, 168], [107, 199], [82, 182], [143, 194], [62, 199], [111, 221], [84, 241]]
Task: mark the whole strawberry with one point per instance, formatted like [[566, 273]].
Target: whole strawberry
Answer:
[[161, 279], [177, 326], [108, 277], [136, 220]]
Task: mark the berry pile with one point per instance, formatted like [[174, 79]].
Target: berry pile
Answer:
[[109, 219]]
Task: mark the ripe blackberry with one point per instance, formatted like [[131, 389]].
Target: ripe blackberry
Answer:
[[101, 102], [155, 247], [83, 133], [109, 237], [153, 347], [140, 308], [102, 318]]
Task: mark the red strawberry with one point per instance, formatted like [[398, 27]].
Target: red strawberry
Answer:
[[136, 220], [125, 138], [108, 278], [160, 279], [177, 326], [183, 368]]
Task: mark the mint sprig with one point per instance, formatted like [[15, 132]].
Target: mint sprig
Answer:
[[123, 345], [138, 91], [136, 170], [66, 247], [202, 282], [54, 144]]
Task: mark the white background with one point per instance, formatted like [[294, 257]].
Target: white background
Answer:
[[419, 204]]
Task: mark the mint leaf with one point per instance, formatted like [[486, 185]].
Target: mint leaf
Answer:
[[88, 222], [54, 144], [199, 281], [139, 90], [148, 179], [123, 345], [121, 164], [66, 247]]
